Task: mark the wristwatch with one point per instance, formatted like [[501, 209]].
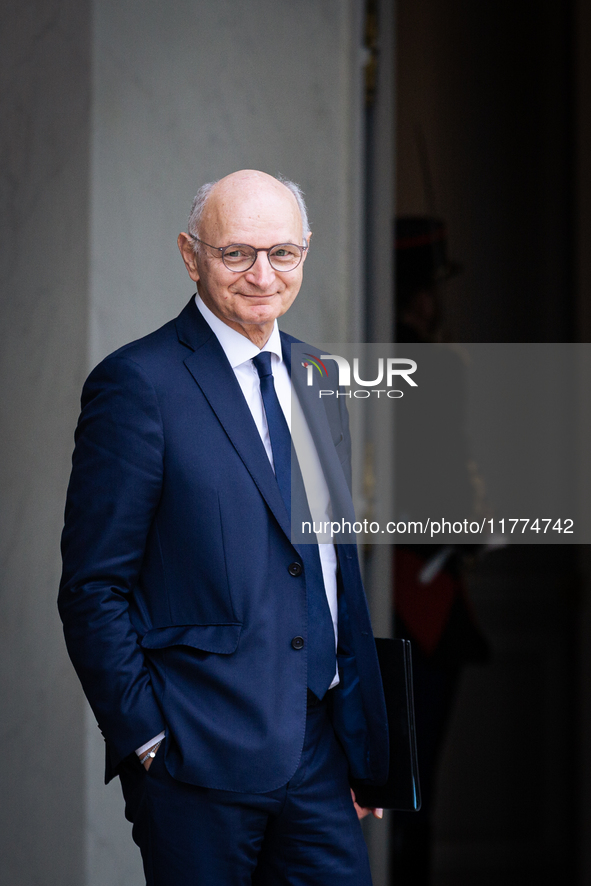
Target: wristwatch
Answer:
[[151, 752]]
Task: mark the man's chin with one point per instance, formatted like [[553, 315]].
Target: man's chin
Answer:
[[261, 312]]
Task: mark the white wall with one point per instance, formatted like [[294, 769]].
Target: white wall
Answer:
[[44, 107]]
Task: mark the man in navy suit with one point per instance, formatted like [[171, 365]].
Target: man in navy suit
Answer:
[[207, 642]]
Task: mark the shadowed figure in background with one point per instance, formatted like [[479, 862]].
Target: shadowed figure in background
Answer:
[[432, 477]]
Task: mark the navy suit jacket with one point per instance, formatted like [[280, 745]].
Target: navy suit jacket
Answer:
[[177, 602]]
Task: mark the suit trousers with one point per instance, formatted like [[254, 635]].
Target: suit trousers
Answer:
[[305, 833]]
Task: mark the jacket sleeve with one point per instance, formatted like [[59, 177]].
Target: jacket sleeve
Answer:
[[114, 489]]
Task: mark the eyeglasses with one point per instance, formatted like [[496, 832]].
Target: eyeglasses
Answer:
[[240, 257]]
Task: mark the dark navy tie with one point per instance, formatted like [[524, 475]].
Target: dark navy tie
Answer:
[[321, 642]]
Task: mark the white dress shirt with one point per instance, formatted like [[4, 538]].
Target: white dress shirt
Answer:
[[240, 352]]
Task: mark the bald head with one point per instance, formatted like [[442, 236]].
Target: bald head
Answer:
[[239, 186]]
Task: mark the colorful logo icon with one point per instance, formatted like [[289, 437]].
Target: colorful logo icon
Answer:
[[315, 362]]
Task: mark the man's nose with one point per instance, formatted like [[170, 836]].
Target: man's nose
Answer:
[[261, 274]]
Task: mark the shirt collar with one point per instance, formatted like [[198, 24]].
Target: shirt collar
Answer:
[[237, 348]]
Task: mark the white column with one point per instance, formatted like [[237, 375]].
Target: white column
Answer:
[[44, 107]]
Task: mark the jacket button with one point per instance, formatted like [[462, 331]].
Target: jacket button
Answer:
[[298, 642], [295, 569]]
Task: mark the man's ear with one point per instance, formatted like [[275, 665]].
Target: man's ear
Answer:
[[308, 238], [185, 245]]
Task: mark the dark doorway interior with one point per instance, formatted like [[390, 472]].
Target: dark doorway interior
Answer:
[[485, 140]]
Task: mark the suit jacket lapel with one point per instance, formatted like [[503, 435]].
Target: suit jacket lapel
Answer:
[[317, 420], [211, 370]]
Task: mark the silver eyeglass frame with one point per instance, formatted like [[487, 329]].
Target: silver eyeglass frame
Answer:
[[223, 249]]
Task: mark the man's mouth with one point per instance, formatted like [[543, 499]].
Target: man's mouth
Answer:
[[257, 294]]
